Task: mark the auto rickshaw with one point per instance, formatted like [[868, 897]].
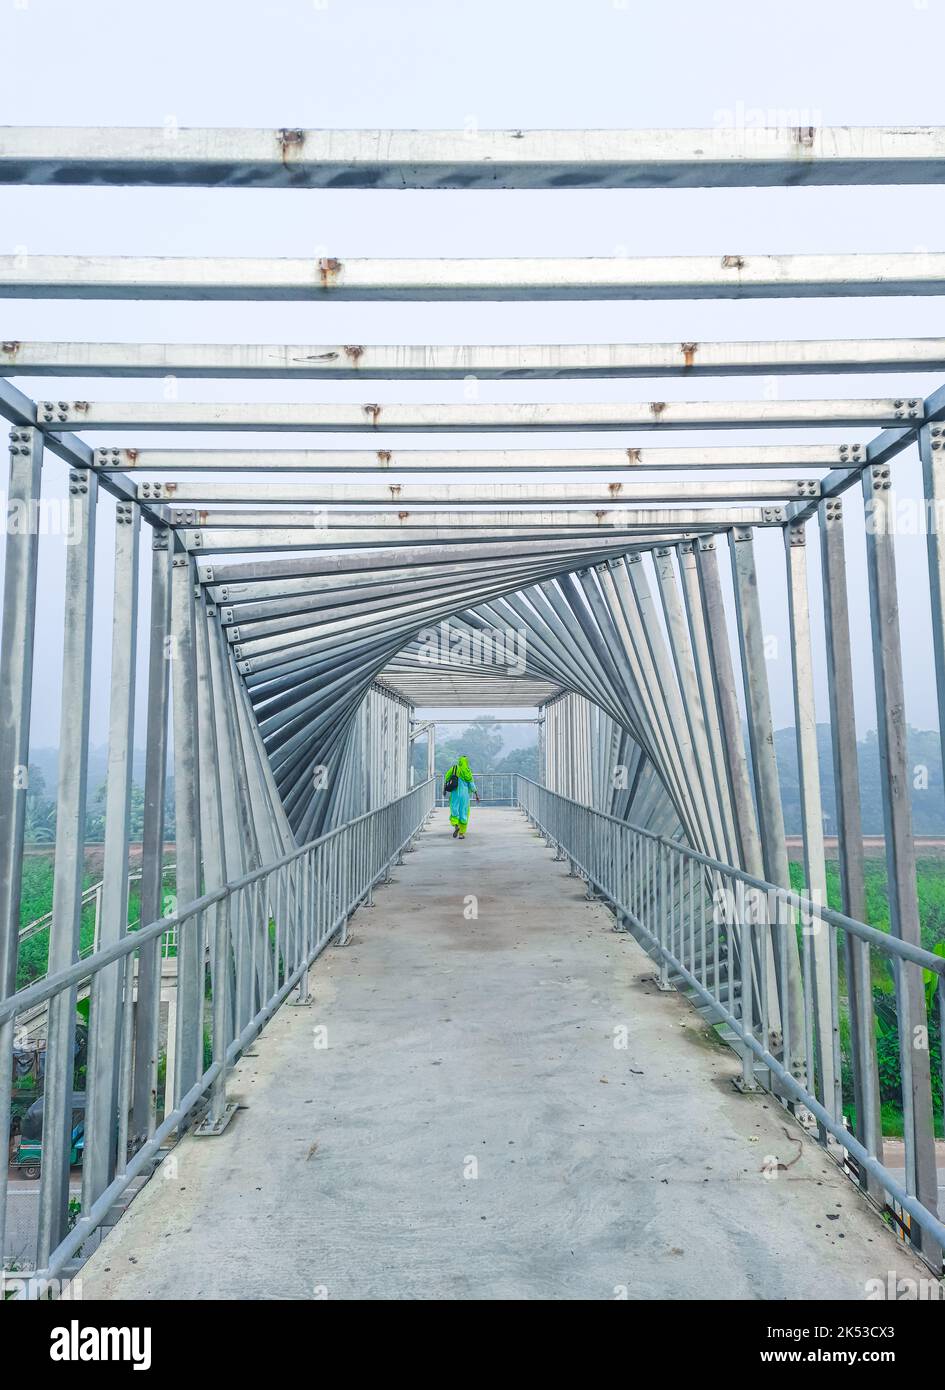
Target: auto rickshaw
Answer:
[[28, 1155]]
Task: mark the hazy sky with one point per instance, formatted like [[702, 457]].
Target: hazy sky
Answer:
[[580, 64]]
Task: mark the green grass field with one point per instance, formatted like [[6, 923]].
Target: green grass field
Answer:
[[36, 902], [930, 879], [931, 886]]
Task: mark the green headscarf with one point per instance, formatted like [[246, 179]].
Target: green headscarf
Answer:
[[464, 770]]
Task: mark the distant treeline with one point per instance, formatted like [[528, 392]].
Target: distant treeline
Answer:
[[41, 806], [482, 742], [925, 780]]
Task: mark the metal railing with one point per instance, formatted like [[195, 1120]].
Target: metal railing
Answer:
[[721, 936], [494, 788], [93, 895], [242, 949], [33, 1022]]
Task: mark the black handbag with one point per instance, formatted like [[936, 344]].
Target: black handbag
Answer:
[[452, 781]]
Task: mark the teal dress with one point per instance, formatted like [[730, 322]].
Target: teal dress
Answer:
[[459, 799]]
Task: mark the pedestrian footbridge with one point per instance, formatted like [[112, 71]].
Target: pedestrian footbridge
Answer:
[[614, 1043], [488, 1097]]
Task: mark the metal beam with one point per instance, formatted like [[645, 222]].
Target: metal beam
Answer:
[[433, 362], [840, 688], [189, 496], [160, 654], [241, 541], [16, 681], [503, 418], [387, 461], [920, 1163], [879, 450], [187, 806], [726, 156], [381, 559], [111, 986], [821, 942], [65, 928], [640, 278]]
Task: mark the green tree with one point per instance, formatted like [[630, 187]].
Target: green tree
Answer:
[[523, 761], [95, 815], [481, 742], [40, 823]]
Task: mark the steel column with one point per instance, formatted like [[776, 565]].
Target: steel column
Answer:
[[840, 688], [921, 1171], [148, 993], [16, 682], [823, 941], [108, 986], [64, 932], [188, 1051]]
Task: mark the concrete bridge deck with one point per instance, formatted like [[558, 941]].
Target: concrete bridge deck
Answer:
[[471, 1131]]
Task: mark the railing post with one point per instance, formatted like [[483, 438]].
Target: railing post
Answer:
[[662, 910], [303, 996], [746, 919], [371, 859]]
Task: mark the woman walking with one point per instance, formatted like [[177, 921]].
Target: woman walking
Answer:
[[459, 783]]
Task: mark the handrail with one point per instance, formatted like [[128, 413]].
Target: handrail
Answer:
[[72, 974], [92, 894], [261, 933], [638, 881], [39, 923], [894, 945]]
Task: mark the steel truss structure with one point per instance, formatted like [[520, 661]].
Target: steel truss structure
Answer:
[[296, 620]]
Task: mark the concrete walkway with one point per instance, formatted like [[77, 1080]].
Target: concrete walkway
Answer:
[[471, 1131]]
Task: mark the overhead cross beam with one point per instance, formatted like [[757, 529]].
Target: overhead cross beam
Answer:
[[432, 362], [394, 461], [722, 157], [280, 416], [736, 276]]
